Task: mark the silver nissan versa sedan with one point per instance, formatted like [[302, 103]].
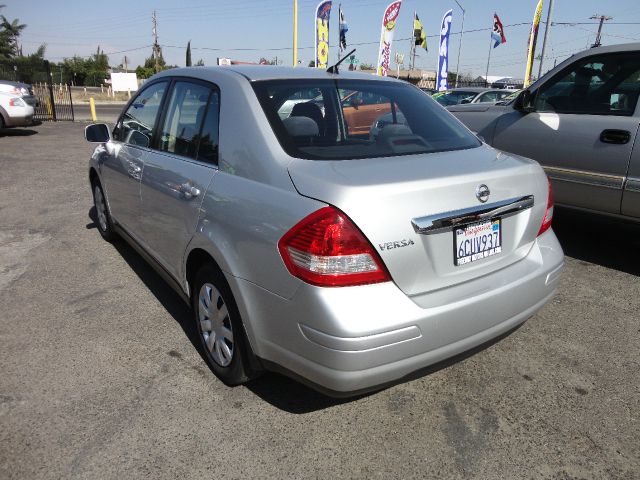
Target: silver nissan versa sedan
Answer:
[[309, 248]]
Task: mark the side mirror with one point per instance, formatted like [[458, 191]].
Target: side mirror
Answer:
[[97, 133], [524, 102]]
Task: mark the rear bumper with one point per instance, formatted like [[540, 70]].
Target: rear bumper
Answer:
[[20, 117], [353, 339]]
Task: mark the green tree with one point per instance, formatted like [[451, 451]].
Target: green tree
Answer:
[[9, 33], [188, 59], [200, 63]]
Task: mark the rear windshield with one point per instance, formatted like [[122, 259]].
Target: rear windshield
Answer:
[[350, 119]]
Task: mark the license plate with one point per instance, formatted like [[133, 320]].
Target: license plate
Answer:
[[477, 241]]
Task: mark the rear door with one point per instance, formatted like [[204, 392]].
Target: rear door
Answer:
[[122, 167], [178, 171], [582, 130]]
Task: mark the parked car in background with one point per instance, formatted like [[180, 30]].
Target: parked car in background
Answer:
[[23, 90], [457, 96], [580, 121], [306, 247], [14, 111]]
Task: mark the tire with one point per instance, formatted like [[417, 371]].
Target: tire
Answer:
[[104, 222], [220, 329], [1, 122]]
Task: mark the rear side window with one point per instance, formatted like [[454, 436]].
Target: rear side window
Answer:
[[208, 147], [136, 125], [353, 119], [180, 133]]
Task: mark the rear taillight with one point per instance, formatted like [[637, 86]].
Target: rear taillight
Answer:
[[326, 249], [17, 102], [548, 214]]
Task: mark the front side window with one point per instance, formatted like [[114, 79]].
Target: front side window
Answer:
[[184, 119], [136, 125], [351, 119], [604, 85]]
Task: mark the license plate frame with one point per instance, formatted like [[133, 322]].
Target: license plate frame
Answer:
[[484, 249]]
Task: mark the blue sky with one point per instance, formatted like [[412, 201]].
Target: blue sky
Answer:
[[250, 29]]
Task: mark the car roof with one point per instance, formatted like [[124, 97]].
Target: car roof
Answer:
[[15, 84], [270, 72]]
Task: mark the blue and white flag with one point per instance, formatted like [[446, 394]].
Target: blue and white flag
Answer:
[[443, 52], [344, 28]]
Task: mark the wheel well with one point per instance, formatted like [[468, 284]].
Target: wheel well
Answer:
[[197, 258]]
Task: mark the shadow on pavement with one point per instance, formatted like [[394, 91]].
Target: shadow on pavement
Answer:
[[16, 132], [278, 390], [600, 240]]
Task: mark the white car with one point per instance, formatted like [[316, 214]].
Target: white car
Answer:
[[14, 111]]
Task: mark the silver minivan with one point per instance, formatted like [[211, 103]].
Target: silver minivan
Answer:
[[306, 246]]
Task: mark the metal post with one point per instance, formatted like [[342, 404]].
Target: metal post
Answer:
[[486, 77], [602, 18], [295, 33], [460, 44], [546, 33], [73, 115], [50, 87]]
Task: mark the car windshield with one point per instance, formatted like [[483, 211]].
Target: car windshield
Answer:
[[352, 119]]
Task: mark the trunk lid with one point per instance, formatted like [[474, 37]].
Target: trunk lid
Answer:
[[383, 195]]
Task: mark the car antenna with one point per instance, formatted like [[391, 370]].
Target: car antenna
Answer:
[[334, 68]]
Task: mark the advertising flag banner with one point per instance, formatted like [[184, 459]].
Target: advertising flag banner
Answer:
[[531, 51], [344, 28], [420, 38], [321, 31], [386, 37], [498, 32], [443, 52]]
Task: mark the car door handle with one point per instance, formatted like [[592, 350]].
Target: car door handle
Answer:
[[189, 191], [615, 136]]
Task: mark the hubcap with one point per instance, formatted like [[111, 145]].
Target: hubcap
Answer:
[[101, 208], [215, 324]]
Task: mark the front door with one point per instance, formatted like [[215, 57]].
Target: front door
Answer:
[[582, 130], [178, 171], [123, 163]]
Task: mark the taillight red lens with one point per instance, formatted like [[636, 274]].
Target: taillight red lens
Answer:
[[548, 214], [326, 249]]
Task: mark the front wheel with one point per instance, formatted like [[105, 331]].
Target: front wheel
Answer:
[[105, 225], [220, 328]]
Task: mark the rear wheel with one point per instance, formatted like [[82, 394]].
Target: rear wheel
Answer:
[[1, 122], [220, 328], [105, 225]]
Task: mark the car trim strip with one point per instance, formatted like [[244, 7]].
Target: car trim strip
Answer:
[[586, 178], [447, 220], [632, 185]]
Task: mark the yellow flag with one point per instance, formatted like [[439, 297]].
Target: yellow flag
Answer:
[[533, 36]]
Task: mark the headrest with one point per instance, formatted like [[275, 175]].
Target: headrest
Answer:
[[301, 127]]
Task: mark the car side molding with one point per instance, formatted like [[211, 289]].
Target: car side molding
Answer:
[[447, 220]]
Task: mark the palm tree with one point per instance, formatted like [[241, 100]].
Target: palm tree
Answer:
[[9, 34]]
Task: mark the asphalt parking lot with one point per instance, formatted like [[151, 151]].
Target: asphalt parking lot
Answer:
[[100, 377]]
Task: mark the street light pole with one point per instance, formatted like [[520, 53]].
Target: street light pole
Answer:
[[460, 44], [295, 33], [546, 33]]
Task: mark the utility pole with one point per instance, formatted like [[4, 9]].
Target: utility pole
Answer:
[[126, 61], [460, 44], [547, 26], [156, 46], [602, 18], [295, 33]]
